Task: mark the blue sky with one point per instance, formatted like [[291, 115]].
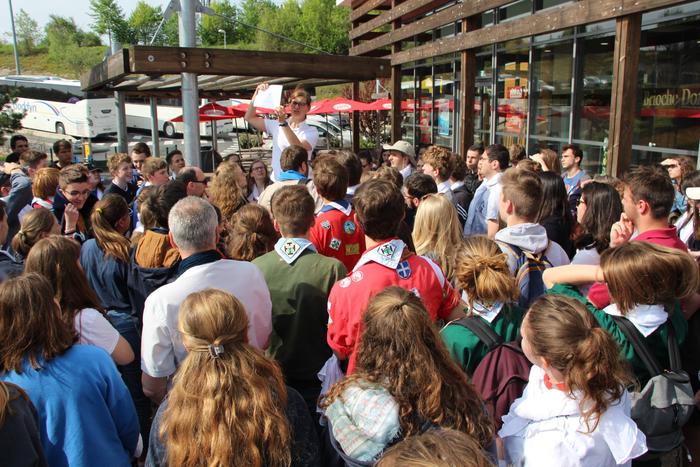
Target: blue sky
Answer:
[[40, 10]]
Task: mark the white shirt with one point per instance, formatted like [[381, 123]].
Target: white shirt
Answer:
[[544, 428], [406, 172], [444, 188], [589, 256], [304, 132], [94, 329], [685, 227], [161, 344]]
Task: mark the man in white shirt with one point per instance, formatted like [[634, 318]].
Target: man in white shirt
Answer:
[[483, 217], [193, 227], [402, 157], [286, 130]]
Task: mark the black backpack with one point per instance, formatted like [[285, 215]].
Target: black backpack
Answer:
[[501, 376], [667, 401]]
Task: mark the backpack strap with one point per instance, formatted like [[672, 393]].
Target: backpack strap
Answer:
[[674, 351], [640, 347], [303, 181], [482, 330]]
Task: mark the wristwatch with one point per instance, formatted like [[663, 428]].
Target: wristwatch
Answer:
[[283, 124]]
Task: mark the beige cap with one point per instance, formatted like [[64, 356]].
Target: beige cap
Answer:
[[693, 193], [668, 161], [403, 147]]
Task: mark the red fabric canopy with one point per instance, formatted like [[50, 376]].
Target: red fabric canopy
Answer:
[[242, 107], [213, 111], [337, 105]]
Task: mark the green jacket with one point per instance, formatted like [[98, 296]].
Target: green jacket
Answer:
[[656, 341], [299, 295], [465, 347]]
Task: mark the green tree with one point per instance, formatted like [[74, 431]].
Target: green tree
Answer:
[[249, 15], [28, 34], [9, 119], [210, 25], [144, 21], [170, 32], [109, 18], [283, 20]]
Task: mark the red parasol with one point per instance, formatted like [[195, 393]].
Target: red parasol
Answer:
[[213, 111]]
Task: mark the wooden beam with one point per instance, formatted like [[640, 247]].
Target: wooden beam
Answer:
[[628, 31], [169, 60], [545, 21], [395, 86], [356, 119], [387, 17], [365, 8], [111, 69], [448, 15], [467, 83]]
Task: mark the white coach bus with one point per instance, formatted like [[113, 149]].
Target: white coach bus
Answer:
[[60, 106]]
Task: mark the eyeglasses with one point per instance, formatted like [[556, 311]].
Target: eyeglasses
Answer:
[[75, 194], [297, 103], [205, 181], [671, 166], [260, 167]]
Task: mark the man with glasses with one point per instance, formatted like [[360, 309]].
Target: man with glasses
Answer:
[[483, 216], [286, 130], [74, 202], [194, 180]]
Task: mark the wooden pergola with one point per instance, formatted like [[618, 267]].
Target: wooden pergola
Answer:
[[225, 73]]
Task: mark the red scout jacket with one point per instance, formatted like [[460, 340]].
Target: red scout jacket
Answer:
[[336, 234], [388, 264]]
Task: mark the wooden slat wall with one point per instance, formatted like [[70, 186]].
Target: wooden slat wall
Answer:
[[545, 21]]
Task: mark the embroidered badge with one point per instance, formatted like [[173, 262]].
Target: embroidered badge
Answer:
[[335, 244], [349, 227], [345, 283], [290, 247], [403, 270], [387, 250], [326, 225], [352, 249], [357, 276]]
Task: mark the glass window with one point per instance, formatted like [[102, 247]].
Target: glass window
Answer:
[[542, 4], [512, 91], [593, 94], [551, 91], [483, 94], [408, 93], [668, 90], [444, 104], [424, 103], [514, 10]]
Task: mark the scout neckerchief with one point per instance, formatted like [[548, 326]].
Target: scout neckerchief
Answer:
[[340, 205], [289, 249], [387, 254], [291, 175], [486, 311]]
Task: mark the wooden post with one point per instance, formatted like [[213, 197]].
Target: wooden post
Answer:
[[355, 119], [466, 98], [395, 86], [624, 92]]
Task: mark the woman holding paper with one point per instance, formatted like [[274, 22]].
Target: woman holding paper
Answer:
[[286, 130]]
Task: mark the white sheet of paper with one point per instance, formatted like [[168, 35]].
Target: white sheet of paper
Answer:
[[269, 98]]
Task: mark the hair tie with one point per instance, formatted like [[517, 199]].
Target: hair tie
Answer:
[[216, 350], [98, 210]]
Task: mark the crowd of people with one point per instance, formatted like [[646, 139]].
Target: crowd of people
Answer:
[[388, 308]]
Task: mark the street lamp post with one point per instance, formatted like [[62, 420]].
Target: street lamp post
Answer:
[[18, 69], [221, 31]]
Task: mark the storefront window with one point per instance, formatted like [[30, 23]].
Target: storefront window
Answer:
[[407, 100], [424, 103], [483, 95], [550, 94], [444, 104], [668, 91], [512, 91], [542, 4]]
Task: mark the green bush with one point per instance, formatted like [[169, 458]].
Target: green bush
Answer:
[[248, 141]]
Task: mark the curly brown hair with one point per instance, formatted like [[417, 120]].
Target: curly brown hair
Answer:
[[224, 191], [400, 349]]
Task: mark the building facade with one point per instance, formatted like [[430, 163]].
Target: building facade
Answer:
[[619, 78]]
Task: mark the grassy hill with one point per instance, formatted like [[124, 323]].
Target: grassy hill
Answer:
[[71, 64]]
